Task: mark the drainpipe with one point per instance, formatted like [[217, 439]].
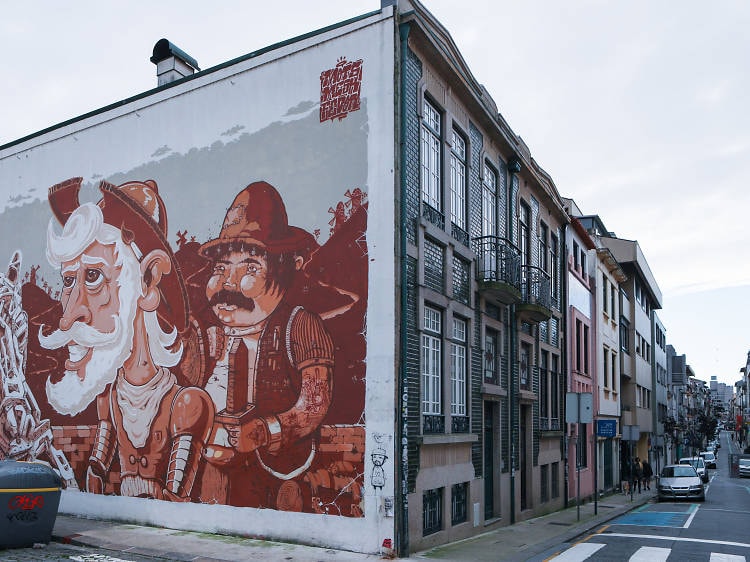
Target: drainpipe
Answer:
[[402, 468]]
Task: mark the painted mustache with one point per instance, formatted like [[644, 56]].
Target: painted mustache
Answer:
[[232, 298], [83, 334]]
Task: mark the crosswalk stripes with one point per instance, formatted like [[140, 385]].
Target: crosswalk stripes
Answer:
[[585, 550], [580, 551], [651, 554]]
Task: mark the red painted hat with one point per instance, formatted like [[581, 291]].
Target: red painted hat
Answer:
[[139, 212], [258, 217]]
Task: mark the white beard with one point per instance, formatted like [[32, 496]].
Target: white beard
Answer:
[[71, 395]]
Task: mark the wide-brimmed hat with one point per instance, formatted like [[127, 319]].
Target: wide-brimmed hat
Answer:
[[137, 209], [257, 217]]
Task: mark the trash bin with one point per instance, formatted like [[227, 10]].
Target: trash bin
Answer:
[[29, 498]]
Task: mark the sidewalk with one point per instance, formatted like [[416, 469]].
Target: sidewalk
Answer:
[[523, 541]]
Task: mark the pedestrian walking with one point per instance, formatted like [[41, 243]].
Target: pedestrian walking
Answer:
[[647, 474], [637, 474]]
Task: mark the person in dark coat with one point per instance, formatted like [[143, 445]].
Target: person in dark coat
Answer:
[[647, 474]]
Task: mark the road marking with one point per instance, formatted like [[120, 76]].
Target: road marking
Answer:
[[682, 539], [579, 552], [651, 554], [720, 557], [693, 511]]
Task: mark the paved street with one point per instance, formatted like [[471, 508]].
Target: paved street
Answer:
[[715, 530], [56, 552]]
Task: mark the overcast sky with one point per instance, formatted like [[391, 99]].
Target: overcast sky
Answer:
[[637, 111]]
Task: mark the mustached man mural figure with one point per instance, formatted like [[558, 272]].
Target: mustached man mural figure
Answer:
[[270, 370], [123, 306]]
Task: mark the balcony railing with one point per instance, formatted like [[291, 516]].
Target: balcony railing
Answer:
[[433, 423], [536, 287], [498, 260], [549, 424], [459, 234], [434, 216], [459, 424]]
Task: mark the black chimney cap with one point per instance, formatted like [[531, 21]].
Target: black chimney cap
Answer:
[[164, 49]]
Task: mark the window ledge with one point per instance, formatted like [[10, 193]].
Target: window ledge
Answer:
[[449, 438]]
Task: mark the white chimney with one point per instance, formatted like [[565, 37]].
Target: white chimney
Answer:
[[172, 63]]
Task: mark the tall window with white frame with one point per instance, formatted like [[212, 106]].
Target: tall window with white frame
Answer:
[[489, 220], [458, 181], [430, 156], [432, 404], [459, 418], [543, 253], [524, 233]]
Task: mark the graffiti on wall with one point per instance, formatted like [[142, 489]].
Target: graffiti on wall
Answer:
[[227, 371]]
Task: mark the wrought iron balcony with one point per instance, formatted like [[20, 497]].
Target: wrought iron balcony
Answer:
[[536, 295], [459, 234], [498, 268]]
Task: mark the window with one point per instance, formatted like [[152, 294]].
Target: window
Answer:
[[431, 156], [459, 502], [432, 511], [525, 366], [624, 334], [490, 356], [524, 231], [458, 181], [582, 446], [458, 368], [489, 201], [544, 488], [576, 263], [431, 362], [543, 387], [613, 301], [555, 480], [583, 262], [543, 254], [586, 349], [553, 266], [578, 342], [605, 293], [605, 367], [554, 380]]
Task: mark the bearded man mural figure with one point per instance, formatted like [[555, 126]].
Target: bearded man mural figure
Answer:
[[124, 304]]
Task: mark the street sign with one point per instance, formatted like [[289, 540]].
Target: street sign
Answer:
[[579, 407], [606, 428]]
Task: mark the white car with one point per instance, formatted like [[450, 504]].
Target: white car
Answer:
[[698, 464], [744, 467], [709, 458]]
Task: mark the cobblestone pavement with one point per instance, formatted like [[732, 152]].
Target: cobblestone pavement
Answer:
[[55, 551]]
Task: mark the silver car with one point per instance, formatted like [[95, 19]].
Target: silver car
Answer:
[[709, 458], [745, 467], [698, 464], [680, 481]]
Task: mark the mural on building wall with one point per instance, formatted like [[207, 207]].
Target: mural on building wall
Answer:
[[214, 374]]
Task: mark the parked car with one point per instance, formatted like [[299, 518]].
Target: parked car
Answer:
[[709, 458], [698, 464], [680, 481], [745, 467]]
